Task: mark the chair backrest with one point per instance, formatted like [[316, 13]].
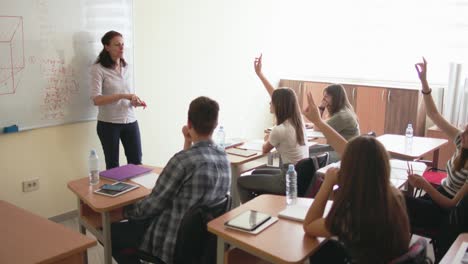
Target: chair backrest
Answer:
[[194, 243], [415, 255], [306, 169]]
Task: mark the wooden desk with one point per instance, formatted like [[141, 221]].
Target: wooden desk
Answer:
[[398, 174], [240, 165], [28, 238], [282, 242], [452, 252], [95, 211], [397, 146]]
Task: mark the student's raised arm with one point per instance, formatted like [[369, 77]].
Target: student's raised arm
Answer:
[[333, 138], [450, 130], [258, 71]]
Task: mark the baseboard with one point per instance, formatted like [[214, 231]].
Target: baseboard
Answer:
[[65, 216]]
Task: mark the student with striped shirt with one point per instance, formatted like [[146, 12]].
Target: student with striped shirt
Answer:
[[432, 211]]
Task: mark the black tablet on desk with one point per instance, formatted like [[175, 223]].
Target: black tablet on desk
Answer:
[[248, 220], [115, 189]]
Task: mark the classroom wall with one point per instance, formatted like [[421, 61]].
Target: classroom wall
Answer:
[[183, 49]]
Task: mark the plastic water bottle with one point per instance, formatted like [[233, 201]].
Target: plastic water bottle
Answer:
[[221, 137], [93, 164], [409, 132], [291, 185], [409, 138]]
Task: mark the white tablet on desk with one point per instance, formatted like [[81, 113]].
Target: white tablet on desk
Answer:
[[115, 189], [251, 221]]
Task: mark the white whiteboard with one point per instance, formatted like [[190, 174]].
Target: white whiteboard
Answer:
[[46, 50]]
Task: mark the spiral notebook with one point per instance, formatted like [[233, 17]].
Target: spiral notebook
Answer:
[[124, 172]]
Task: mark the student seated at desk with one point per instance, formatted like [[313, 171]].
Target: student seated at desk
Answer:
[[341, 113], [288, 137], [197, 175], [433, 210], [368, 214]]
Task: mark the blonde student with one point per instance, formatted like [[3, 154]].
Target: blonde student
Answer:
[[288, 137], [368, 214]]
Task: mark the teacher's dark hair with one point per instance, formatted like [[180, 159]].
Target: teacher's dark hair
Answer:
[[104, 57], [203, 115]]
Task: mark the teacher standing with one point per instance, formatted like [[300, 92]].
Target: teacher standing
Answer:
[[112, 91]]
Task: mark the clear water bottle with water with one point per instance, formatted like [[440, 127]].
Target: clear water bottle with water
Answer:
[[409, 132], [221, 137], [409, 138], [93, 165], [291, 185]]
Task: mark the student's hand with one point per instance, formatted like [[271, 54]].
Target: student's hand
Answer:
[[312, 112], [331, 176], [421, 69], [414, 179], [417, 181], [258, 65], [186, 133]]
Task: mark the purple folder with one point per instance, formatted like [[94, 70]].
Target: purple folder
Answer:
[[124, 172]]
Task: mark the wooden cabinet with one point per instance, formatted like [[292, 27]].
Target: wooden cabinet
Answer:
[[370, 109], [384, 110]]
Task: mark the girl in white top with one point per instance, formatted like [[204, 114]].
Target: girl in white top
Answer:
[[111, 90], [288, 137]]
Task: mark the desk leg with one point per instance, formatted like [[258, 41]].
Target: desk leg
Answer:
[[220, 251], [82, 230], [235, 174], [107, 237], [435, 158]]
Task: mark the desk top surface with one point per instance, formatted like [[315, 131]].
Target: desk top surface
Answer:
[[282, 242], [452, 252], [420, 146], [29, 238], [101, 203]]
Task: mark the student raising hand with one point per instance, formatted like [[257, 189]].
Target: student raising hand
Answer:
[[258, 65], [312, 112]]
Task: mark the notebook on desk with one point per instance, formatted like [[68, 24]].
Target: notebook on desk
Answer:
[[298, 212], [124, 172], [241, 152]]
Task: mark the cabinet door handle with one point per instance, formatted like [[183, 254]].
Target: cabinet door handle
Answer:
[[354, 94], [388, 97], [383, 94]]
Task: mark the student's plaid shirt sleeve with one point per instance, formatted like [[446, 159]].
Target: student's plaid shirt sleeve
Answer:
[[168, 185]]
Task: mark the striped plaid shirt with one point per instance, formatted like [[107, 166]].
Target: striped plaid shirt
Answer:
[[198, 175], [455, 179]]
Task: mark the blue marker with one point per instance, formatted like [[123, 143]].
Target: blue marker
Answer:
[[10, 129]]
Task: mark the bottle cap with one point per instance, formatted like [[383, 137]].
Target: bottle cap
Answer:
[[93, 152], [291, 167]]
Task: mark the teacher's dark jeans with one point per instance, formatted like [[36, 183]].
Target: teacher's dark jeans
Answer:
[[110, 135]]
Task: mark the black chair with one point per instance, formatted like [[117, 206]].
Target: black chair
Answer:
[[195, 245], [417, 254], [306, 169]]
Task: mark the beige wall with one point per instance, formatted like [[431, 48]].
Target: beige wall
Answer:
[[183, 49]]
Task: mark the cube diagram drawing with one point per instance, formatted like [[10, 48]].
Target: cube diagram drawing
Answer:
[[12, 60]]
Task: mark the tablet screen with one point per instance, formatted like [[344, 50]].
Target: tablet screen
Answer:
[[248, 220]]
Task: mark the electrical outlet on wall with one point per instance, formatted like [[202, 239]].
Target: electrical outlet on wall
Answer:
[[31, 185]]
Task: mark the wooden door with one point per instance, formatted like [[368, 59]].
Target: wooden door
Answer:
[[402, 108], [370, 109]]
